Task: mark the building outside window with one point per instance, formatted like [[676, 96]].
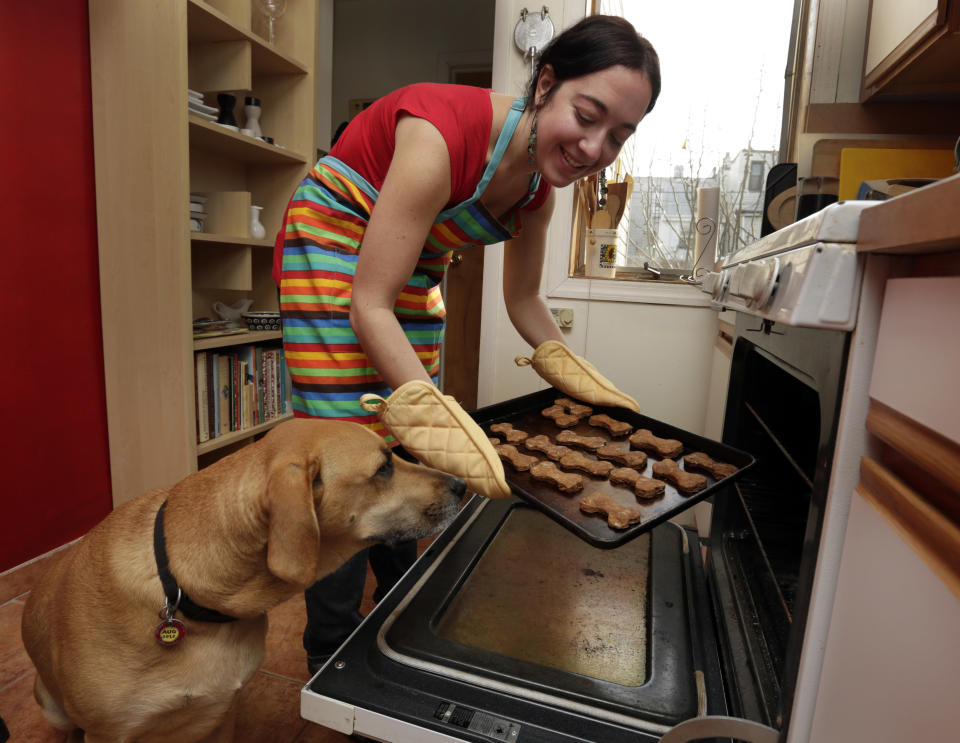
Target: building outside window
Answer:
[[717, 123]]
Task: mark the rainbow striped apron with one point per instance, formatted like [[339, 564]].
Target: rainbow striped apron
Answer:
[[322, 235]]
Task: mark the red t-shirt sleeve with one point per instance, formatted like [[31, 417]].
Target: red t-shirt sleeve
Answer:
[[462, 114]]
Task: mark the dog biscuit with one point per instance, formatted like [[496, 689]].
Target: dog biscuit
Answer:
[[494, 440], [643, 487], [518, 460], [511, 434], [664, 448], [573, 407], [589, 443], [685, 482], [619, 517], [702, 462], [583, 463], [615, 427], [542, 443], [560, 417], [626, 457], [565, 482]]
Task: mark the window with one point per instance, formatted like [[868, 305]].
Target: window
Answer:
[[756, 175], [716, 125]]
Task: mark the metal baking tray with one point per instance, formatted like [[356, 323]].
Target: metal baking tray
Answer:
[[525, 414]]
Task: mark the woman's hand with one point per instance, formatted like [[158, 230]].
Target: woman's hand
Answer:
[[522, 269], [414, 192]]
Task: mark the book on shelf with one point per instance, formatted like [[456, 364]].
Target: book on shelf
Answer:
[[239, 388], [200, 386], [224, 393]]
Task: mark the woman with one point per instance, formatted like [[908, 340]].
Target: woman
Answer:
[[425, 170]]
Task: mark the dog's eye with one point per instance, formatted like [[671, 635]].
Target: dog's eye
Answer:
[[386, 469]]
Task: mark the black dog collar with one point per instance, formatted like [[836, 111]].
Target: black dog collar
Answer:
[[176, 596]]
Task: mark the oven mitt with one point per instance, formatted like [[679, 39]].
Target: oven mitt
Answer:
[[575, 376], [439, 432]]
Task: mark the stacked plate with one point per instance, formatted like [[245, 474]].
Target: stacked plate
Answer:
[[197, 107]]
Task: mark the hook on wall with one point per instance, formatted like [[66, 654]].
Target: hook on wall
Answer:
[[532, 32]]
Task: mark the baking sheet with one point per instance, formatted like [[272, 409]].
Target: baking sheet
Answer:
[[525, 414]]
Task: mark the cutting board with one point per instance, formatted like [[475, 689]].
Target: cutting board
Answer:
[[826, 152], [864, 164]]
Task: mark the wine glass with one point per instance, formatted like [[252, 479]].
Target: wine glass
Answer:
[[272, 9]]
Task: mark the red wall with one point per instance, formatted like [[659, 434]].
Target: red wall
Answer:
[[55, 457]]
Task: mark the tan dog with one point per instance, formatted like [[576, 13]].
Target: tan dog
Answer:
[[241, 536]]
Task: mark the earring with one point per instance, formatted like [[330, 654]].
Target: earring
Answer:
[[532, 139]]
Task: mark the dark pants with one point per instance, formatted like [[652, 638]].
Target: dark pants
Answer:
[[333, 603]]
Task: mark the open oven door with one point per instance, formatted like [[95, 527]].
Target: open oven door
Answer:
[[511, 628]]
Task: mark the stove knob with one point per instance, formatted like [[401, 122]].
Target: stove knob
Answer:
[[712, 284], [755, 281]]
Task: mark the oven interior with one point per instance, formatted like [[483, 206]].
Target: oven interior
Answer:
[[782, 408]]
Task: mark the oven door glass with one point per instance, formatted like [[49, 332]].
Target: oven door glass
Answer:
[[512, 615]]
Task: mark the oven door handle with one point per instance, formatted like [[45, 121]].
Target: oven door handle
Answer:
[[698, 728]]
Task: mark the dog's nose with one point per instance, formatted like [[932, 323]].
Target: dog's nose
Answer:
[[457, 486]]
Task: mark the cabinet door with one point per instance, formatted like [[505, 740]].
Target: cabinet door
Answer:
[[912, 49]]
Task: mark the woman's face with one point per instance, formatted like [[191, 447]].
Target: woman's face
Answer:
[[586, 120]]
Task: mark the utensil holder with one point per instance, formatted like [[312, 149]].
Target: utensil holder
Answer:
[[601, 253]]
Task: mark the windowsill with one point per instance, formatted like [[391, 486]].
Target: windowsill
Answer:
[[558, 284], [639, 291]]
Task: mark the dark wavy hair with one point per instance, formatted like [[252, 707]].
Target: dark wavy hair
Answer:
[[596, 43]]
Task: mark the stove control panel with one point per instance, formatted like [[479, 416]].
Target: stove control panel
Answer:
[[813, 286]]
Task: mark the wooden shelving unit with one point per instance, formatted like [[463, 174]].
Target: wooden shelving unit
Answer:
[[151, 154]]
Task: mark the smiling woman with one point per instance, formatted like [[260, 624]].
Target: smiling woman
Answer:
[[369, 233]]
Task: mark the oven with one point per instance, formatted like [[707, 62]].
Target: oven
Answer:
[[513, 627]]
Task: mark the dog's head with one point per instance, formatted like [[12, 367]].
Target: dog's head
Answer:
[[336, 484]]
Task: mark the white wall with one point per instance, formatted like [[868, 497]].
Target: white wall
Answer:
[[659, 353], [381, 45]]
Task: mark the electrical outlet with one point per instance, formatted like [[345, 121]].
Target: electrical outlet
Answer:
[[563, 316]]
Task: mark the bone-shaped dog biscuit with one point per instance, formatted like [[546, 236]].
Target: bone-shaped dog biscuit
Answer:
[[644, 487], [664, 448], [615, 427], [565, 482], [589, 443], [619, 517], [560, 417], [511, 434], [583, 463], [702, 462], [626, 457], [573, 407], [542, 443], [685, 482], [518, 460]]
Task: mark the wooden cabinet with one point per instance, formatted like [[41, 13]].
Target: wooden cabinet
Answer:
[[151, 153], [912, 50]]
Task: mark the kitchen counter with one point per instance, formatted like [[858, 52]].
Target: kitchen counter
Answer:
[[922, 221]]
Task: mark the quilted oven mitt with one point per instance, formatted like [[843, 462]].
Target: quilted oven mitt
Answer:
[[439, 432], [575, 376]]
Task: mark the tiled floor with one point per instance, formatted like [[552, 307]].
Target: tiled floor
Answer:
[[270, 711]]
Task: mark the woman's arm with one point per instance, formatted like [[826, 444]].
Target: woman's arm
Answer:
[[522, 268], [415, 190]]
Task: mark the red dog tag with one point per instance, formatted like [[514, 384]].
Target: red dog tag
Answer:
[[170, 632]]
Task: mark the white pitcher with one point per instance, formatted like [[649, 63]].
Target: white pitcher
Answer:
[[233, 312]]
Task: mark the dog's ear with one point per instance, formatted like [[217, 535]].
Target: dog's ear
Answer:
[[293, 546]]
